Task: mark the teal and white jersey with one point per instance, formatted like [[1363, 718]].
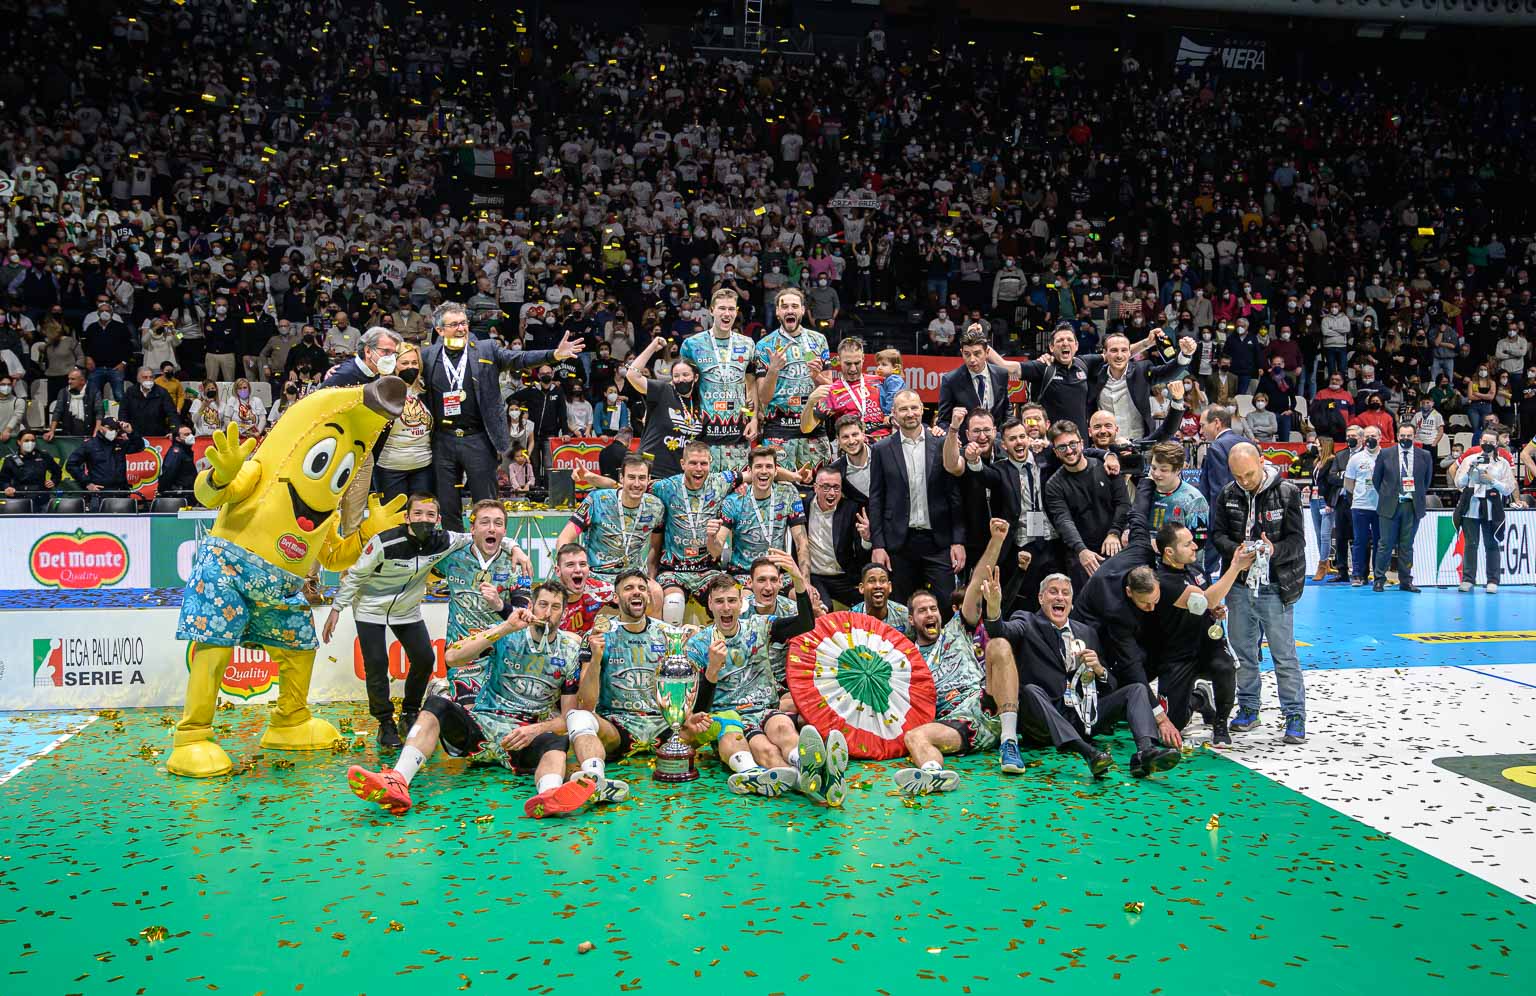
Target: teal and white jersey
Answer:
[[723, 365], [628, 688], [525, 677], [688, 514], [760, 524], [794, 383], [957, 674], [746, 678], [778, 653], [896, 615], [618, 538], [464, 570]]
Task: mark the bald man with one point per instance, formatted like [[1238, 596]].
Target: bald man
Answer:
[[1259, 507]]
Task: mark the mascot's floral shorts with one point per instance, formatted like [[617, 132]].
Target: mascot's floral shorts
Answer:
[[234, 597]]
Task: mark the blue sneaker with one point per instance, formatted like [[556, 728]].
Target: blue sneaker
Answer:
[[1245, 720], [1296, 729], [1011, 759]]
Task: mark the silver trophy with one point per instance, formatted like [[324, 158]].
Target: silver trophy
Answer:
[[677, 687]]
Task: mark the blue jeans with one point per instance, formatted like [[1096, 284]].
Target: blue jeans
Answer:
[[1338, 359], [1445, 366], [1477, 414], [1366, 526], [109, 375], [1248, 615], [1322, 525]]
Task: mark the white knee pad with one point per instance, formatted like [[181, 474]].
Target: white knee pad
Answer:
[[580, 722], [1197, 604], [672, 607]]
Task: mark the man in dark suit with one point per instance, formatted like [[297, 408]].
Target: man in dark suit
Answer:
[[1123, 386], [976, 385], [1064, 693], [915, 527], [855, 458], [463, 394], [1216, 428], [376, 353], [1401, 478], [837, 531]]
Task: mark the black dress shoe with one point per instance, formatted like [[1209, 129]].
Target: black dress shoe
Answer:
[[1409, 586], [1099, 762], [407, 720], [1378, 585], [1151, 759], [389, 734]]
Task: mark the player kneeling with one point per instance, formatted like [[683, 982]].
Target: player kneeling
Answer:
[[522, 713]]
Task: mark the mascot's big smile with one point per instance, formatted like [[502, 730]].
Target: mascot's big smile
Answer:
[[306, 518]]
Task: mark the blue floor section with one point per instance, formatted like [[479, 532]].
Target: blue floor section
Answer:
[[1358, 627]]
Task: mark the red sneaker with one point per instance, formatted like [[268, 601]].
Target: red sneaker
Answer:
[[567, 797], [387, 789]]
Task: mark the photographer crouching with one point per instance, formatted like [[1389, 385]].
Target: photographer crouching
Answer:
[[1487, 481]]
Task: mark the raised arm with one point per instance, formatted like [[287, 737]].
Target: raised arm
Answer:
[[635, 372]]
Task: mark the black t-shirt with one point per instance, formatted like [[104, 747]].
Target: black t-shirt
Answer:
[[469, 419], [1182, 631], [669, 426]]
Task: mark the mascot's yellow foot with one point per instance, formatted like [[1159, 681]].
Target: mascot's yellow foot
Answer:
[[313, 734], [201, 759]]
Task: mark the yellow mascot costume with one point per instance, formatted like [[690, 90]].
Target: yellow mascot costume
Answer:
[[281, 510]]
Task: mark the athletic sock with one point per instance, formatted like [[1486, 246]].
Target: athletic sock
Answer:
[[741, 761], [1010, 725], [793, 757], [547, 782], [932, 766], [410, 762], [593, 766]]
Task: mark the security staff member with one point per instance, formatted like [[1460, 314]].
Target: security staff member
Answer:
[[28, 473]]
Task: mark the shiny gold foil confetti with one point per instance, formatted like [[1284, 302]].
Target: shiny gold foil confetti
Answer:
[[1135, 907], [1214, 823], [154, 934]]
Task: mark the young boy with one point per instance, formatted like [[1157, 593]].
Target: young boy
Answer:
[[888, 369]]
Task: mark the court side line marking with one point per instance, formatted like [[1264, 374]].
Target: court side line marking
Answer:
[[49, 748], [1483, 674]]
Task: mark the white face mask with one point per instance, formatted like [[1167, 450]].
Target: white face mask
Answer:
[[1261, 405], [109, 434], [146, 385], [5, 390], [612, 396], [386, 364], [28, 446]]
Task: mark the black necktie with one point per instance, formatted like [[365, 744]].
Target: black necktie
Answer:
[[981, 390]]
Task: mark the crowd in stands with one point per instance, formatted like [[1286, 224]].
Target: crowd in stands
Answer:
[[211, 204]]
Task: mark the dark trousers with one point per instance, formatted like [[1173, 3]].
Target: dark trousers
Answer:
[[1021, 590], [922, 563], [841, 588], [471, 457], [1395, 535], [1364, 526], [1043, 721], [1475, 533], [392, 483], [1343, 535], [1176, 680], [417, 643]]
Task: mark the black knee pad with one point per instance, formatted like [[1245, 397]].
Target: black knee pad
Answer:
[[546, 742], [437, 705]]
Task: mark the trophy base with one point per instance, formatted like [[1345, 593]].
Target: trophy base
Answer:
[[675, 763]]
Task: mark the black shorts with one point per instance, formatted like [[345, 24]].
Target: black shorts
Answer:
[[460, 735], [626, 744], [966, 730]]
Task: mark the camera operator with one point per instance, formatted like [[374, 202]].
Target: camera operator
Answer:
[[1487, 481]]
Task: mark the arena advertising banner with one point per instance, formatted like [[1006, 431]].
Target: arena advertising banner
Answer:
[[89, 553], [98, 659], [1439, 542], [923, 373], [1218, 52]]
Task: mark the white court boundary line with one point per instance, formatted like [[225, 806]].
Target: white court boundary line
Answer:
[[48, 748]]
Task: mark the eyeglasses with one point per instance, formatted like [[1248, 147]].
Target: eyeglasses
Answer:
[[456, 325], [1068, 446]]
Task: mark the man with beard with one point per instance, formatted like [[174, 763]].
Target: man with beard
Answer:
[[621, 528], [628, 716], [976, 385], [1194, 667], [727, 381], [853, 393], [464, 396], [875, 586], [914, 518], [1007, 488], [1063, 692], [672, 415], [693, 499], [854, 458], [792, 359], [1121, 385], [524, 715], [768, 516], [1086, 506], [1104, 432], [1066, 383], [385, 589], [758, 742], [483, 577], [960, 724]]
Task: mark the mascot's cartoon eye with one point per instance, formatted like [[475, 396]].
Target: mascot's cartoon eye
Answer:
[[318, 460], [343, 472]]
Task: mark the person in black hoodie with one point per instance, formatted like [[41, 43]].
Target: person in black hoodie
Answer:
[[101, 462], [1087, 506], [178, 472], [148, 408]]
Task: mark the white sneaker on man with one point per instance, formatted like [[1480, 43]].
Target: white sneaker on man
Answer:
[[1492, 588], [1464, 587]]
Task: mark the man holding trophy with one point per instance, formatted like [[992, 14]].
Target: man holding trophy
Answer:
[[627, 687], [523, 715], [759, 743]]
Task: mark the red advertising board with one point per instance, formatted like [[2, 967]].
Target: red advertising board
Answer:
[[923, 374]]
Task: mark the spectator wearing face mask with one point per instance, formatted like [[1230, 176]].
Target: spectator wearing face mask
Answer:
[[941, 333], [1364, 525], [1375, 415], [403, 455], [245, 410], [578, 412], [377, 353], [1482, 392], [76, 409], [13, 408], [1487, 483], [109, 346], [1510, 351], [178, 471], [1279, 385], [101, 463], [1336, 334], [1263, 427], [1245, 351], [206, 415], [222, 342], [611, 413], [148, 407], [29, 472]]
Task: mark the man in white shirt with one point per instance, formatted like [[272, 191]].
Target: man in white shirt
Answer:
[[837, 532]]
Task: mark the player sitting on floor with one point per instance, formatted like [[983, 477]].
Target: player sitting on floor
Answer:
[[628, 716], [526, 702], [759, 743]]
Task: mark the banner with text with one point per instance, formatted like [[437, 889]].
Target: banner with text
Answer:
[[1218, 52]]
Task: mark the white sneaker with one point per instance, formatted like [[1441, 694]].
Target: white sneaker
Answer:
[[913, 782], [1465, 586], [1492, 588]]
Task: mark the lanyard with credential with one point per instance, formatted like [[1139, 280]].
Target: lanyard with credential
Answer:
[[455, 374]]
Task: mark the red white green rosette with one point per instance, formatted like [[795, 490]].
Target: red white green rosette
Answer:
[[854, 673]]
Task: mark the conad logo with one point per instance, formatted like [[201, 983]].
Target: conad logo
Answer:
[[78, 560]]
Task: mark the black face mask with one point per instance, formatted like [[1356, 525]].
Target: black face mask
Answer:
[[409, 375], [1354, 444], [421, 531], [1406, 443], [1489, 447], [1371, 444]]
